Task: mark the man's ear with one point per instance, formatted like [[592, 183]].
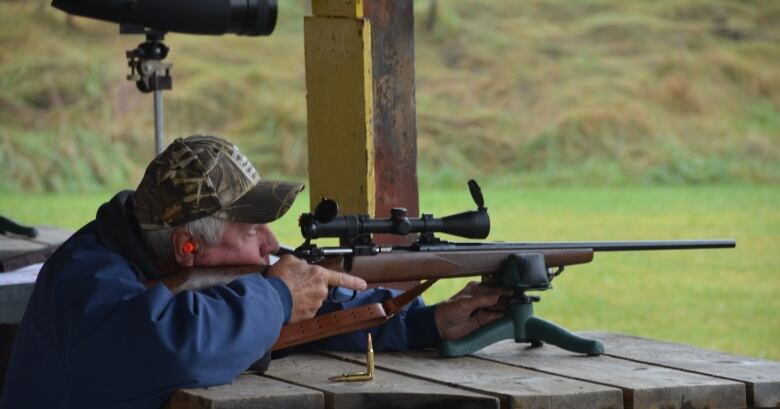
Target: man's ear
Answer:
[[179, 238]]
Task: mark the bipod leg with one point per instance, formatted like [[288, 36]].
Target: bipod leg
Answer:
[[511, 326], [483, 336], [546, 331]]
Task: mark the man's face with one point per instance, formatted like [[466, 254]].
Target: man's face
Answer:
[[242, 244]]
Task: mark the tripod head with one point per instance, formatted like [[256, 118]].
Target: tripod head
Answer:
[[149, 72], [145, 61]]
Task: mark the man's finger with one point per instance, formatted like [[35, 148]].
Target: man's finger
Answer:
[[345, 280]]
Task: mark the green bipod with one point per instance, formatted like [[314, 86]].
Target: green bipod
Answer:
[[521, 273]]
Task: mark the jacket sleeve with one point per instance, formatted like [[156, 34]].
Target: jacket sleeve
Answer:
[[413, 328], [137, 337]]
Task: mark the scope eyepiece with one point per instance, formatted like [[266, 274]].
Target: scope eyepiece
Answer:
[[215, 17]]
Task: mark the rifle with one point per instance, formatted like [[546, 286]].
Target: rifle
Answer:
[[520, 267]]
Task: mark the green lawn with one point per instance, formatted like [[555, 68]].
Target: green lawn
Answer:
[[720, 299]]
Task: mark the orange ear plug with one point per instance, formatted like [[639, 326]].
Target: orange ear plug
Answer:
[[188, 247]]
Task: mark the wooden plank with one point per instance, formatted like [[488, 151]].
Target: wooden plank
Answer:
[[395, 127], [762, 378], [19, 251], [387, 390], [248, 391], [516, 387], [16, 245], [339, 112], [644, 386], [18, 261], [51, 235]]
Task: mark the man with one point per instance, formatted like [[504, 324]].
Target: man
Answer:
[[111, 325]]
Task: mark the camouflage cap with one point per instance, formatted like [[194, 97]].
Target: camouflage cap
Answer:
[[201, 176]]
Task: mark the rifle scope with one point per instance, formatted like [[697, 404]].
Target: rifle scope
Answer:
[[242, 17], [324, 222], [472, 224]]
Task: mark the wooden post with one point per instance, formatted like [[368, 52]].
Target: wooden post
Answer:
[[337, 42], [362, 134], [395, 127], [361, 111]]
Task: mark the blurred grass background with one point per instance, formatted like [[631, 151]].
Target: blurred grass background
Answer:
[[542, 92], [583, 120]]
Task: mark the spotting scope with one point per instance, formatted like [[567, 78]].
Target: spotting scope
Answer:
[[241, 17]]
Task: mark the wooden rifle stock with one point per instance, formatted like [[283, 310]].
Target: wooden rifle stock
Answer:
[[406, 265], [397, 265], [197, 278]]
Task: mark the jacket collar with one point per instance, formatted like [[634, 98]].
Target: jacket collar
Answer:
[[117, 230]]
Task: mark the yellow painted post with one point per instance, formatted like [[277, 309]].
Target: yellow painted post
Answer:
[[337, 43]]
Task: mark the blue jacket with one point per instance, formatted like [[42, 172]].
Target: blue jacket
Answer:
[[93, 336]]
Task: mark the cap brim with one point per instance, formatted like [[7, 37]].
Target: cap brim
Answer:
[[264, 203]]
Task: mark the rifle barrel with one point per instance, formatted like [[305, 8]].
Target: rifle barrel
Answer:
[[637, 245], [662, 245]]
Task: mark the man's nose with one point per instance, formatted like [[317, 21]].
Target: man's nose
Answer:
[[267, 238]]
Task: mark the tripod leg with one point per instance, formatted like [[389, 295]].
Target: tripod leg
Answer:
[[498, 330], [546, 331]]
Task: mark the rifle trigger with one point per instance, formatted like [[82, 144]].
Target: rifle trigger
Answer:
[[333, 295]]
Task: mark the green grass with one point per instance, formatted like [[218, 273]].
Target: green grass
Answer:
[[719, 299]]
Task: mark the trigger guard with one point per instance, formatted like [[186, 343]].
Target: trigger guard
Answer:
[[332, 295]]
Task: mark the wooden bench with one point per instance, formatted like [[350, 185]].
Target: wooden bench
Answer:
[[634, 373]]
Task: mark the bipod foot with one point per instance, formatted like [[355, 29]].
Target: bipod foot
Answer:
[[489, 334], [539, 330]]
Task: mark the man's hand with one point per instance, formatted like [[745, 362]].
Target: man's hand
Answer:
[[309, 283], [461, 314]]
